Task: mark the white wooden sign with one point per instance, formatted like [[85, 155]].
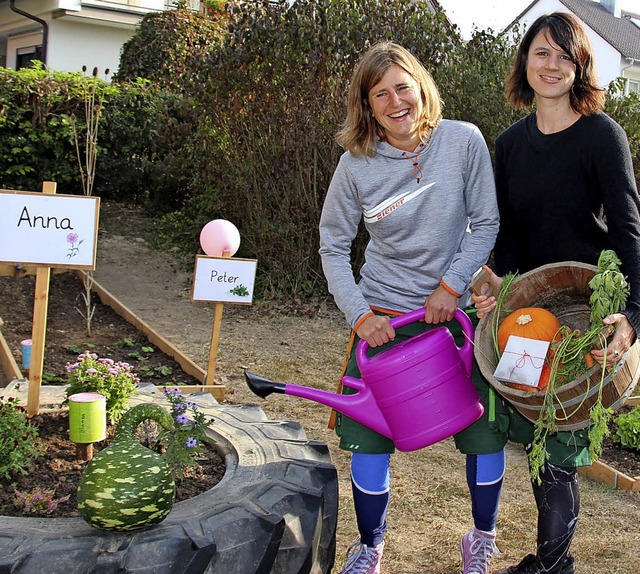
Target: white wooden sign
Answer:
[[48, 230], [224, 280]]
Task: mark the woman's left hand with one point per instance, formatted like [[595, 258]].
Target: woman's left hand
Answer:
[[440, 306], [621, 342]]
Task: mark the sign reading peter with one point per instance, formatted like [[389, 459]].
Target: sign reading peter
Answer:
[[48, 229], [224, 280]]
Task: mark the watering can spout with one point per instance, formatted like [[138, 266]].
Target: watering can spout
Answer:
[[261, 386], [360, 406]]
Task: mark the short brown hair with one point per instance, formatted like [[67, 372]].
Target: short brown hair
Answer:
[[359, 131], [586, 96]]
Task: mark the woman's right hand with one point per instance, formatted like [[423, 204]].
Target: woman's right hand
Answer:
[[376, 330], [484, 302]]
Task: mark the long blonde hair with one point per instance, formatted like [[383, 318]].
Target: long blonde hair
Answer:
[[360, 131]]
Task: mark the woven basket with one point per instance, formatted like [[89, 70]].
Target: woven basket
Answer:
[[563, 289]]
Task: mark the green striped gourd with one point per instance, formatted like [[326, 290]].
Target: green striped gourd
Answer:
[[127, 486]]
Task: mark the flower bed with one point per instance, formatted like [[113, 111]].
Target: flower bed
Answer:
[[275, 510]]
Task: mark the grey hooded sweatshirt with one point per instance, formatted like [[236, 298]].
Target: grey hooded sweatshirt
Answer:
[[440, 224]]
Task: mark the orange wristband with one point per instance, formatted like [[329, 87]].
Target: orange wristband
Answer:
[[361, 320], [448, 289]]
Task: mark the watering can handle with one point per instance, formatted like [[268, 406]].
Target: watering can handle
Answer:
[[417, 315]]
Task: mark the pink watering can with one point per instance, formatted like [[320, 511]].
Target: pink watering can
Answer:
[[416, 393]]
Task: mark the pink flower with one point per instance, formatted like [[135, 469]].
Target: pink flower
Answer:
[[72, 238], [91, 371]]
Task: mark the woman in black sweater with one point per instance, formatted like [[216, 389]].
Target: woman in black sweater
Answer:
[[566, 191]]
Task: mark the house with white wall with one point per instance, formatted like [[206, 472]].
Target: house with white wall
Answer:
[[614, 34], [70, 34]]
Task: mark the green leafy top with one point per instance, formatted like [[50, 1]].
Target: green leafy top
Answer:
[[609, 287]]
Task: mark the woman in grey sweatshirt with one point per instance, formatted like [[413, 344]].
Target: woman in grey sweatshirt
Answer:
[[424, 188]]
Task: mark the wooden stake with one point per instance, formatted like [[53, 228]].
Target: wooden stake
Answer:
[[215, 338], [84, 450], [39, 328]]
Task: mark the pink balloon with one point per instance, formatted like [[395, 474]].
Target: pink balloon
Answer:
[[219, 236]]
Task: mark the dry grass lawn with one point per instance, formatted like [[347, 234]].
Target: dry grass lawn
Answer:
[[430, 508]]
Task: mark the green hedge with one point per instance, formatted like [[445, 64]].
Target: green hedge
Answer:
[[36, 135], [241, 126], [140, 136], [626, 111], [166, 46], [272, 98]]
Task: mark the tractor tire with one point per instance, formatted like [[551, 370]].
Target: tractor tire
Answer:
[[274, 511]]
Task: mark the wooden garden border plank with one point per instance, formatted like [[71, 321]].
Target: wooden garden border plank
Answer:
[[605, 474], [633, 401], [187, 365], [12, 370], [10, 270], [8, 364]]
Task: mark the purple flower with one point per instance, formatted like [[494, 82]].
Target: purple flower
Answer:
[[191, 442], [72, 367], [106, 361], [182, 419], [113, 372], [72, 238], [91, 371]]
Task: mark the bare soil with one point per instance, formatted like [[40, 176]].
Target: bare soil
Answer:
[[305, 344], [59, 469], [111, 336]]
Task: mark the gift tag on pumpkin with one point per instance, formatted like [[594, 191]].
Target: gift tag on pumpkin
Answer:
[[522, 361]]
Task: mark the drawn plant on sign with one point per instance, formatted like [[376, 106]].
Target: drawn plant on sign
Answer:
[[240, 291], [72, 239]]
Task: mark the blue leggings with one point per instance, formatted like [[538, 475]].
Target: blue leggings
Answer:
[[485, 474], [371, 486]]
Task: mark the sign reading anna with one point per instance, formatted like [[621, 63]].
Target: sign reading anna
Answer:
[[49, 230]]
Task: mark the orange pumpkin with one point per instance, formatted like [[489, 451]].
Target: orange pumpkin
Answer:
[[530, 322]]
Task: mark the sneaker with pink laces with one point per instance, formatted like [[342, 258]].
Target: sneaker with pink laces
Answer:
[[362, 559], [476, 548]]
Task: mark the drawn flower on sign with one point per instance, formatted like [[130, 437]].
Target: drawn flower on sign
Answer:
[[72, 239]]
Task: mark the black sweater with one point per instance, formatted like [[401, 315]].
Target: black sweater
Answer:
[[566, 197]]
